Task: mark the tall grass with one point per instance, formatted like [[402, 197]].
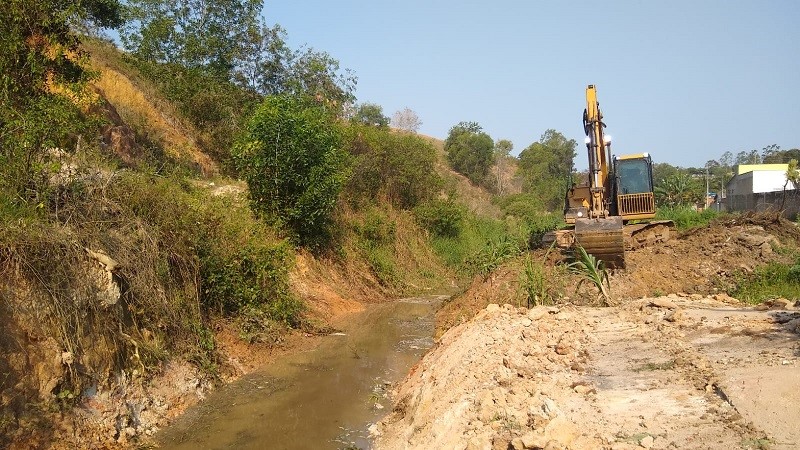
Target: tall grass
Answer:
[[685, 217], [767, 282]]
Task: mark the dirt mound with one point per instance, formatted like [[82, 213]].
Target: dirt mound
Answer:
[[703, 261], [656, 373]]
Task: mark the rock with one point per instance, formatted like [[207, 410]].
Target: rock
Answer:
[[583, 389], [781, 303], [646, 442], [493, 307], [486, 411], [549, 408], [563, 347], [674, 316], [793, 325], [663, 303], [537, 313], [561, 430], [517, 444], [766, 249], [479, 443], [526, 322], [534, 441]]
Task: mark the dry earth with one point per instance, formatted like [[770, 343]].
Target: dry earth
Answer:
[[695, 369], [671, 372]]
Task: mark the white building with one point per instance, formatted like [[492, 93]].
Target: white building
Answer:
[[759, 187]]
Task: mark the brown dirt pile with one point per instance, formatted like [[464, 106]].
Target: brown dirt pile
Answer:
[[705, 260], [656, 373]]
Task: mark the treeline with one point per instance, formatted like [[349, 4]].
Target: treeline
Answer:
[[676, 186]]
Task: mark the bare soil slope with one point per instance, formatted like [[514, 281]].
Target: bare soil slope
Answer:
[[655, 373], [695, 369]]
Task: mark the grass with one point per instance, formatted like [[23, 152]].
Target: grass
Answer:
[[685, 217], [767, 282]]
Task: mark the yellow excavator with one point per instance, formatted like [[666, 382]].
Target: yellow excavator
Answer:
[[619, 191]]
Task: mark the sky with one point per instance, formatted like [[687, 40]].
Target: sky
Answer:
[[682, 80]]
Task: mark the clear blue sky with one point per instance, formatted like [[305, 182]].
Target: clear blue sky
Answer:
[[683, 80]]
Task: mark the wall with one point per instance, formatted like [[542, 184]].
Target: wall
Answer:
[[767, 201]]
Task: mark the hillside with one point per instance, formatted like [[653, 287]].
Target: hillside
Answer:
[[148, 280]]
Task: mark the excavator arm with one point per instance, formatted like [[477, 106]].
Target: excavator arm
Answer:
[[600, 233]]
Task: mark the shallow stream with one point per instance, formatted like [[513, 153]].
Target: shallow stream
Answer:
[[322, 399]]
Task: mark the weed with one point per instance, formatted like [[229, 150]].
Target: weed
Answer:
[[685, 217], [770, 281], [493, 254], [534, 283], [592, 270]]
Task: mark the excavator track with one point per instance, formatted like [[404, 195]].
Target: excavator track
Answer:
[[608, 239], [602, 238]]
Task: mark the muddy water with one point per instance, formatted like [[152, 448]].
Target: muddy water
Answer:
[[321, 399]]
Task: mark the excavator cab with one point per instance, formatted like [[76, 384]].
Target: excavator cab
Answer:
[[633, 187]]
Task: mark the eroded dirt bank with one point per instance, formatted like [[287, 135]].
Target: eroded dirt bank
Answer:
[[670, 372]]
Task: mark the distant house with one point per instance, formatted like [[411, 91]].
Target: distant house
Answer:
[[759, 187]]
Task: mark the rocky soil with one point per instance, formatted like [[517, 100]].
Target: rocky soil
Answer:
[[689, 372], [674, 364]]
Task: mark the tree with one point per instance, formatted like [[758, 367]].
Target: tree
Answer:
[[407, 120], [546, 167], [190, 33], [43, 84], [679, 189], [502, 152], [371, 114], [470, 151], [294, 165]]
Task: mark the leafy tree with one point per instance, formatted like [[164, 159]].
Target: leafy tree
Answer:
[[190, 33], [407, 120], [371, 114], [792, 176], [397, 168], [470, 151], [679, 189], [43, 83], [294, 165], [546, 167], [263, 65]]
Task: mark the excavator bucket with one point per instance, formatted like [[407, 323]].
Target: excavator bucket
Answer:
[[602, 238]]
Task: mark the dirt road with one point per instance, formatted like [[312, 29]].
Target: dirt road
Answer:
[[669, 372]]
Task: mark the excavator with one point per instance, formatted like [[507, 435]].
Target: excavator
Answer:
[[614, 210]]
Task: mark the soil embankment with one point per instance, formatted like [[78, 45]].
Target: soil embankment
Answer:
[[676, 363], [667, 372]]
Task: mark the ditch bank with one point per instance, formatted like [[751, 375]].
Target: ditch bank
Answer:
[[668, 372]]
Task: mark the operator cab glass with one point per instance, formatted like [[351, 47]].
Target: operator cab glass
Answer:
[[633, 176]]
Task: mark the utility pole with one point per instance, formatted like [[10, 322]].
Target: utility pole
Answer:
[[705, 197]]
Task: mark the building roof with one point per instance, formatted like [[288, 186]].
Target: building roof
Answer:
[[744, 168]]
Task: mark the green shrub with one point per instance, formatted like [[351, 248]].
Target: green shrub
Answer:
[[442, 218], [771, 281], [292, 160], [685, 217], [397, 168]]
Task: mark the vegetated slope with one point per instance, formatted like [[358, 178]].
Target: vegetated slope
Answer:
[[139, 287], [476, 198], [687, 366]]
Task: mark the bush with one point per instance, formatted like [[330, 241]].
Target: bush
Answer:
[[292, 160], [442, 218], [685, 217], [396, 168]]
